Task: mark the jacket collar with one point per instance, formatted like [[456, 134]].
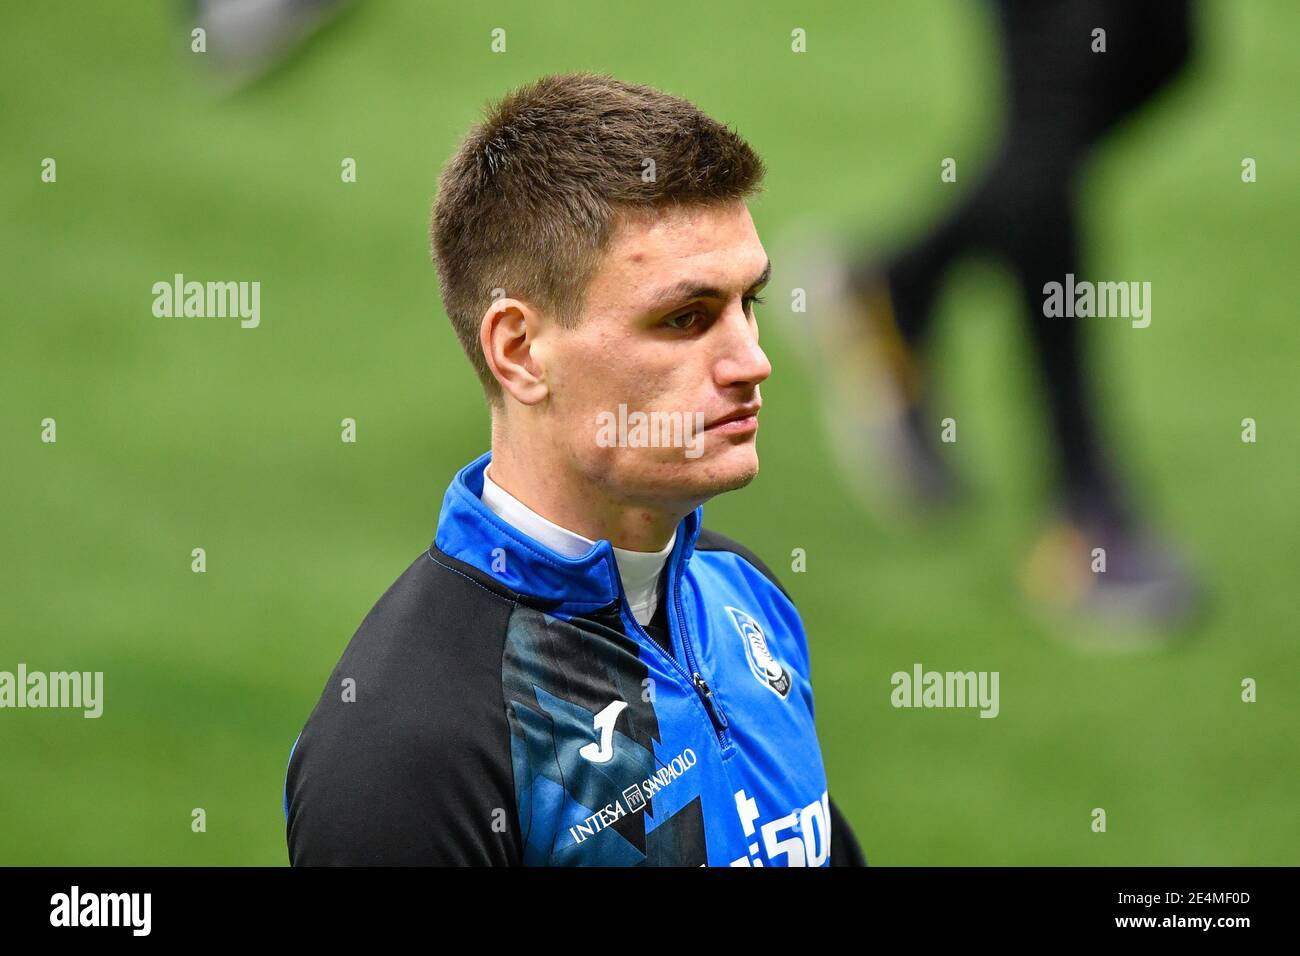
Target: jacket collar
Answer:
[[470, 531]]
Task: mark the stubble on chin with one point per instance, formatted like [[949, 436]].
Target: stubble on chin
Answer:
[[706, 479], [681, 484]]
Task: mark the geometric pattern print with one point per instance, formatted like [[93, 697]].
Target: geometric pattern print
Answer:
[[558, 676]]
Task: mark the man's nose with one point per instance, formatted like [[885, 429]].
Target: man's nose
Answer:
[[741, 361]]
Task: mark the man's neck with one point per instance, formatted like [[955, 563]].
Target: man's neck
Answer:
[[638, 570], [581, 507]]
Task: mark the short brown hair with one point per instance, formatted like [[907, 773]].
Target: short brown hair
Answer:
[[531, 197]]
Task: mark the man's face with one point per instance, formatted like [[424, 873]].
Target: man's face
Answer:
[[667, 351]]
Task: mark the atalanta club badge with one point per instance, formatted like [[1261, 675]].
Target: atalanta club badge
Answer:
[[767, 669]]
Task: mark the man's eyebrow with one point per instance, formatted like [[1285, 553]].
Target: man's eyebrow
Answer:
[[687, 290]]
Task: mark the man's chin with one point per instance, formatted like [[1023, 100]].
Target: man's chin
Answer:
[[724, 470], [682, 480]]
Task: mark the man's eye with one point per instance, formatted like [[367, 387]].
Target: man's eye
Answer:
[[684, 321], [752, 301]]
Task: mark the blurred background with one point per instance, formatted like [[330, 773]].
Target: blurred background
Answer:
[[175, 434]]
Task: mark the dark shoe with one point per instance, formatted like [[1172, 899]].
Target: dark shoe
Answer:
[[1110, 585]]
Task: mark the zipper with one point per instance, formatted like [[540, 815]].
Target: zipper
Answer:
[[719, 719], [715, 710], [721, 726]]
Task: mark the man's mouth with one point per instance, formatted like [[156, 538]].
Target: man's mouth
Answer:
[[739, 421]]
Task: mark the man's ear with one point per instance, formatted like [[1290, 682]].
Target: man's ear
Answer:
[[508, 337]]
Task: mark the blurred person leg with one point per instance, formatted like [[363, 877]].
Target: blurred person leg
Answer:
[[1064, 98]]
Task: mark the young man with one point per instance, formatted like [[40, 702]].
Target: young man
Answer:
[[576, 672]]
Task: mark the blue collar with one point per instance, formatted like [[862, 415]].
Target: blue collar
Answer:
[[470, 531]]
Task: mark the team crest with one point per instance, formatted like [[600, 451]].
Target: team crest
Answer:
[[767, 669]]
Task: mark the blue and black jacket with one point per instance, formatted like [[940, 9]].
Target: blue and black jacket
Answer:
[[500, 705]]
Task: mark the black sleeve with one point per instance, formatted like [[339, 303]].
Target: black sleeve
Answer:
[[844, 845], [416, 771], [845, 850]]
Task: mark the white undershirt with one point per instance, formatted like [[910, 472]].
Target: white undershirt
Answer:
[[639, 570]]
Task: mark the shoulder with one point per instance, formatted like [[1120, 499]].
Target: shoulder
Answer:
[[405, 756], [710, 540], [435, 635]]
